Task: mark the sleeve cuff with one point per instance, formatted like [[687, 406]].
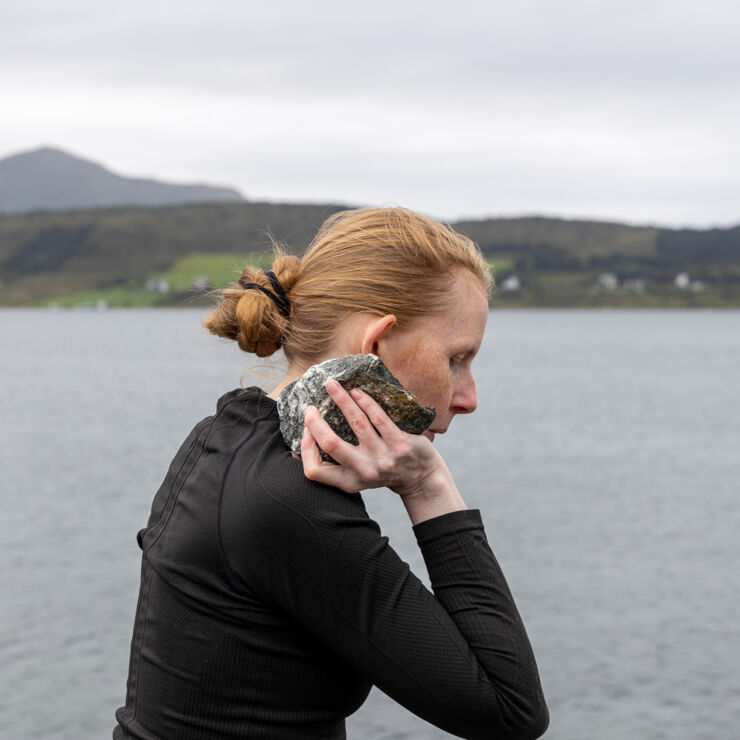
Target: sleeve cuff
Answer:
[[445, 524]]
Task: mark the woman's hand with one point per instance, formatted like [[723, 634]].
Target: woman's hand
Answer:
[[384, 456]]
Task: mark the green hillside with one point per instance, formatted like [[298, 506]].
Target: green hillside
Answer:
[[47, 256], [176, 255], [576, 263]]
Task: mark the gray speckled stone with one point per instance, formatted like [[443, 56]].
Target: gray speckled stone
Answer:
[[353, 371]]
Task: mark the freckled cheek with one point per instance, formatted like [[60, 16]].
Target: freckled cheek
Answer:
[[425, 373], [428, 384]]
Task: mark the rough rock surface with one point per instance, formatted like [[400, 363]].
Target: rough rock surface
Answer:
[[353, 371]]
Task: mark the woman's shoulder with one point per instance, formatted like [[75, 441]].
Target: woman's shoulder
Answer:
[[271, 513], [272, 482], [249, 400]]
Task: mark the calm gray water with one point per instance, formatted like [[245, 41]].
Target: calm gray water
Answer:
[[605, 456]]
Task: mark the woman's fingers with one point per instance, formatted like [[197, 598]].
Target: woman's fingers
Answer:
[[314, 467], [310, 454], [327, 439], [384, 455], [380, 421], [355, 416], [322, 433]]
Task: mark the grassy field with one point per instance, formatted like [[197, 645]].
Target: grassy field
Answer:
[[215, 270], [498, 265], [218, 269], [556, 289]]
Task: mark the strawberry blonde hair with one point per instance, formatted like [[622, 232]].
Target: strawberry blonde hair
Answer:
[[371, 260]]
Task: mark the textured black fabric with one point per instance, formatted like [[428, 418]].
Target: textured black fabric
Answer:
[[270, 604]]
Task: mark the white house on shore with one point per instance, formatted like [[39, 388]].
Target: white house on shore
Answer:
[[636, 285], [682, 280], [158, 285], [607, 281], [511, 283], [200, 282]]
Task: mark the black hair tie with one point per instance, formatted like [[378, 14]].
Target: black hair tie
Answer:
[[279, 297]]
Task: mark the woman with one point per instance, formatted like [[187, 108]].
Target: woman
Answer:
[[270, 603]]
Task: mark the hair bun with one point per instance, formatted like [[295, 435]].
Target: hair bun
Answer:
[[255, 311], [287, 269]]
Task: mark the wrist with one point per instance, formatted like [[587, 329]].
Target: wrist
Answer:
[[437, 495]]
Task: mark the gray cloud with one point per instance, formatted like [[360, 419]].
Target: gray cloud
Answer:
[[615, 109], [565, 44]]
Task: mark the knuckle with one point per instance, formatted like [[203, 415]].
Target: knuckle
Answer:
[[352, 415], [386, 464], [360, 424], [330, 444], [382, 422], [351, 486], [403, 450], [379, 419], [367, 473]]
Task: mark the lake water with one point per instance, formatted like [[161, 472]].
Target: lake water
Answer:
[[605, 457]]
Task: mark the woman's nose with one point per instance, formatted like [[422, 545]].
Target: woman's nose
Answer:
[[465, 399]]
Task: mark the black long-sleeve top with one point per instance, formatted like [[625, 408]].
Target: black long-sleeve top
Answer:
[[270, 604]]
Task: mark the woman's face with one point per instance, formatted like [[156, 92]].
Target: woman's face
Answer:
[[433, 356]]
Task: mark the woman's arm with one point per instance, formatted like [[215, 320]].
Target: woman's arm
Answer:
[[459, 658]]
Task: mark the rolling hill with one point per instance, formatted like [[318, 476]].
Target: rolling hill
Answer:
[[173, 255], [53, 180]]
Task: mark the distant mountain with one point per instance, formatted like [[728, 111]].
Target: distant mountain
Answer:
[[54, 180]]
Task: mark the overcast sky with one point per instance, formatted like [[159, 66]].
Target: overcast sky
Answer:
[[586, 108]]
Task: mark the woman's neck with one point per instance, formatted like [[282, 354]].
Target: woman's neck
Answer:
[[294, 372]]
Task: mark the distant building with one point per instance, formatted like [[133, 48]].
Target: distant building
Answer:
[[511, 283], [201, 282], [682, 280], [607, 281], [636, 285], [158, 285]]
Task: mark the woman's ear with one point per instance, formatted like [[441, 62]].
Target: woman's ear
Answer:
[[375, 331]]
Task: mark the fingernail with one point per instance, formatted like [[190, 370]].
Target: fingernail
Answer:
[[356, 393], [332, 385]]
